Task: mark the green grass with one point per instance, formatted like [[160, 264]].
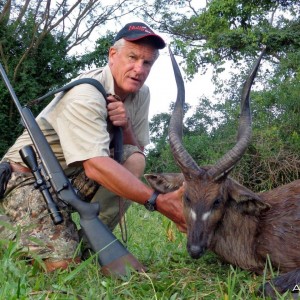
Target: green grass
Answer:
[[155, 241]]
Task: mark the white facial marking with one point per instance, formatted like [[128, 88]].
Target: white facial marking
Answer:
[[205, 216], [193, 215]]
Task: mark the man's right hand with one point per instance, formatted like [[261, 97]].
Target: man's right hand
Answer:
[[117, 112]]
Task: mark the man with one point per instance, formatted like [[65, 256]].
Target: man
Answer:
[[78, 126]]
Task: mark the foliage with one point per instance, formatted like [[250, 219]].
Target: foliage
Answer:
[[43, 69], [99, 56], [226, 30]]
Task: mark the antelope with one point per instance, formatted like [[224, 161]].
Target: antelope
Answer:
[[242, 227]]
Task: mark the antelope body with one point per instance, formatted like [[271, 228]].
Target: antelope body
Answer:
[[239, 232], [242, 227]]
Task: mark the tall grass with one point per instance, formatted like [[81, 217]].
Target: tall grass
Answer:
[[155, 241]]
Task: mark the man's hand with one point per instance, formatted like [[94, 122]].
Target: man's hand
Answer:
[[117, 112], [118, 116], [171, 206]]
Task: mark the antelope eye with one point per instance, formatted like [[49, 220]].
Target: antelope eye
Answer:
[[187, 200], [217, 203]]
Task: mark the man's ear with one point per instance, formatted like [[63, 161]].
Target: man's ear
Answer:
[[111, 53], [165, 182], [245, 200]]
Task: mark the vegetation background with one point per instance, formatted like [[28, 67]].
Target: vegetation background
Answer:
[[36, 43]]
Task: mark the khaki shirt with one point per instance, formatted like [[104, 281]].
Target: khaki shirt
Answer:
[[75, 123]]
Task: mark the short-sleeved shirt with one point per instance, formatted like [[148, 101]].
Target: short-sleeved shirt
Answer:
[[76, 124]]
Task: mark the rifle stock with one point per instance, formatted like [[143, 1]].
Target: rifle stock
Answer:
[[112, 255]]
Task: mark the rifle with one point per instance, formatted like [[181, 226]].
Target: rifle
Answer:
[[112, 255]]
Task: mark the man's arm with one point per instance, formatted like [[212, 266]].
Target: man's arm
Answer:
[[120, 181]]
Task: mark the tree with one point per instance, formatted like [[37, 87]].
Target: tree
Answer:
[[227, 30], [72, 23]]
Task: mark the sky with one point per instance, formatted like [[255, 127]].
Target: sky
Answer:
[[163, 88]]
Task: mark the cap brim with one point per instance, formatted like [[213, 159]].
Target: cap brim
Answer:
[[157, 40]]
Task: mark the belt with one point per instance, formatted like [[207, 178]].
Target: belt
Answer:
[[15, 167]]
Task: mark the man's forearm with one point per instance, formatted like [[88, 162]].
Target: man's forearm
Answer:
[[117, 179], [120, 181]]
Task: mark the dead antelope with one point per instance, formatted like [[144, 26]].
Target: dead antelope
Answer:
[[242, 227]]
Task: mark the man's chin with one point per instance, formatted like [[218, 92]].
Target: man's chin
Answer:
[[133, 89]]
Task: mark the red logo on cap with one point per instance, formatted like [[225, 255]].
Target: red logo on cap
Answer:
[[140, 28]]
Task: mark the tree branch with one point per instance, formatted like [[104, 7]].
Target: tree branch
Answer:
[[23, 11], [5, 12], [74, 22]]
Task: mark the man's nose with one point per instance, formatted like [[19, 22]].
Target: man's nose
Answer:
[[139, 67]]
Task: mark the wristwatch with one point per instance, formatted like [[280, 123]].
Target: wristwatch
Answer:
[[151, 203]]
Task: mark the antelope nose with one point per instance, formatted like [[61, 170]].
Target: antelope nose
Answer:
[[195, 251]]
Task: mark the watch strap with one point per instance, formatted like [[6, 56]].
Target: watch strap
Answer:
[[150, 204]]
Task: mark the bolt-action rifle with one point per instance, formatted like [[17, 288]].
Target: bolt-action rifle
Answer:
[[112, 255]]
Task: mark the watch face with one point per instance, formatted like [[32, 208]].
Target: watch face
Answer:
[[149, 206]]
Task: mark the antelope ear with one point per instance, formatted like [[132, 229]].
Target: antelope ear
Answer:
[[165, 182], [245, 200]]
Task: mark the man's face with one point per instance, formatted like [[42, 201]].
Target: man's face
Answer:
[[130, 66]]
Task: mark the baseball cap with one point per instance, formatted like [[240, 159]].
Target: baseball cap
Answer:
[[136, 30]]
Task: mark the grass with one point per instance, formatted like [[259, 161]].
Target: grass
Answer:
[[155, 241]]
